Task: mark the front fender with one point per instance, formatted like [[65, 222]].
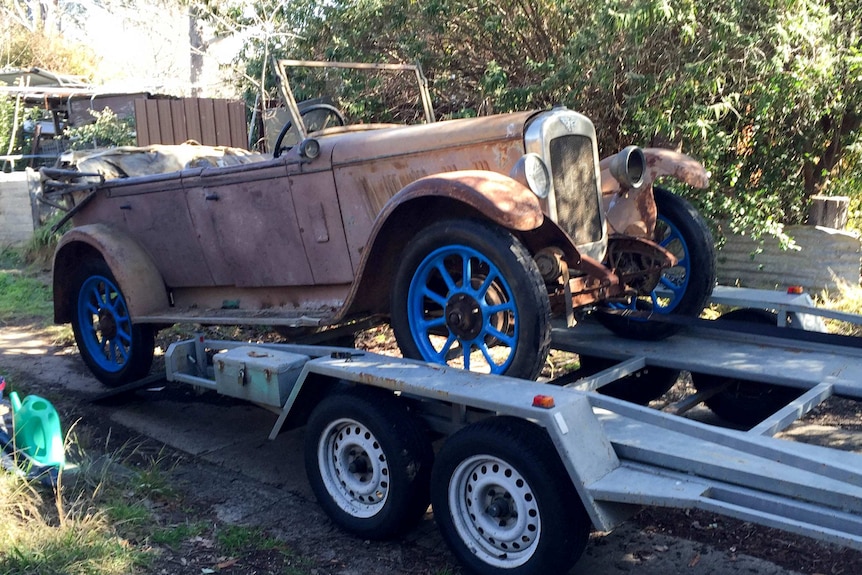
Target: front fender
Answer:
[[461, 194], [633, 212], [499, 198], [132, 267]]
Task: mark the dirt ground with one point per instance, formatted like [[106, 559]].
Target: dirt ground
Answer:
[[272, 493]]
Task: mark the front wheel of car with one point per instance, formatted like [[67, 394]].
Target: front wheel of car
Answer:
[[116, 350], [683, 289], [468, 294]]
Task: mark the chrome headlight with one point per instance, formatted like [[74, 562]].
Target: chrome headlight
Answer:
[[531, 171]]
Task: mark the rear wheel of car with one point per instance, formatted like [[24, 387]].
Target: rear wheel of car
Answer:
[[683, 289], [469, 294], [116, 350]]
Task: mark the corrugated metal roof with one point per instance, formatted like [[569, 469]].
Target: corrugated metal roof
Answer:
[[34, 77]]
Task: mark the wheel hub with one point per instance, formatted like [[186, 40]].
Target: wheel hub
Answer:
[[107, 324], [464, 316], [499, 509]]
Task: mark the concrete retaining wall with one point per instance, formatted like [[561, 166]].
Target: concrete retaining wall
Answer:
[[16, 209], [824, 255]]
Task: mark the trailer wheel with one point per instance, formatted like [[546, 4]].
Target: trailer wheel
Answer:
[[640, 387], [743, 402], [368, 462], [116, 350], [504, 502], [468, 294], [683, 289]]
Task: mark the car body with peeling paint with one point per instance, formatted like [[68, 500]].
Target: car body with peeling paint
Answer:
[[467, 235]]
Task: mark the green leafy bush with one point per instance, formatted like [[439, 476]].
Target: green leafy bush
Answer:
[[107, 131], [767, 94]]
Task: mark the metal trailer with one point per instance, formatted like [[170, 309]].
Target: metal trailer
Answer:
[[526, 469]]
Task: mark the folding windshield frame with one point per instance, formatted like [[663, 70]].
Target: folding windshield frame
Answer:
[[282, 66]]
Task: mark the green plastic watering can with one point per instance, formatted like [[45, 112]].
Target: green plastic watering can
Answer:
[[37, 431]]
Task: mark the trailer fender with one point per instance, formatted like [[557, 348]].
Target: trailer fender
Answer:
[[133, 269], [632, 211]]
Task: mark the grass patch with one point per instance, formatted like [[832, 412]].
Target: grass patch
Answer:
[[238, 539], [24, 297], [41, 534], [173, 535]]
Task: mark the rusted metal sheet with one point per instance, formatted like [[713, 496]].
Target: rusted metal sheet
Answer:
[[288, 305], [398, 158], [156, 215], [208, 121], [253, 231], [317, 207], [133, 268], [633, 211]]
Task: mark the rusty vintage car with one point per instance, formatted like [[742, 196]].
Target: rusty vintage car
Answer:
[[468, 235]]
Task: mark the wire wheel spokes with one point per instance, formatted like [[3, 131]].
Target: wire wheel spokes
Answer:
[[462, 310]]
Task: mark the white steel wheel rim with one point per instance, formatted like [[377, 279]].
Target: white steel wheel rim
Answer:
[[495, 511], [354, 468]]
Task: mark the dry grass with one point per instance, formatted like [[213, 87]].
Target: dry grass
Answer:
[[64, 530], [847, 298]]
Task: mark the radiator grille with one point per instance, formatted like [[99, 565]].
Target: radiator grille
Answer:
[[575, 188]]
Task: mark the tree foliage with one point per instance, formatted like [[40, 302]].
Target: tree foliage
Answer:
[[31, 37], [107, 131]]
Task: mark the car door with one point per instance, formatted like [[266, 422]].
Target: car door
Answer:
[[248, 227]]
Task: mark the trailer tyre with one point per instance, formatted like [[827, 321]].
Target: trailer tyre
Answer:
[[504, 502], [116, 350], [683, 289], [369, 462], [742, 402], [469, 294]]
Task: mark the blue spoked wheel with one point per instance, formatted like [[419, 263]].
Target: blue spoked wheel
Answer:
[[682, 289], [116, 350], [469, 294]]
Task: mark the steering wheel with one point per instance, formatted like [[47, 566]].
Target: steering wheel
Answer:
[[321, 120]]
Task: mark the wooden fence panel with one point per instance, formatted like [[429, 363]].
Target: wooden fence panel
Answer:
[[211, 122]]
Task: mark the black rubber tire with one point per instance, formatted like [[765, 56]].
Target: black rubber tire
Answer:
[[141, 340], [332, 110], [392, 449], [518, 269], [745, 403], [641, 387], [512, 461], [698, 247]]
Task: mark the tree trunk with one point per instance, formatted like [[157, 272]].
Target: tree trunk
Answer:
[[196, 53], [828, 211]]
